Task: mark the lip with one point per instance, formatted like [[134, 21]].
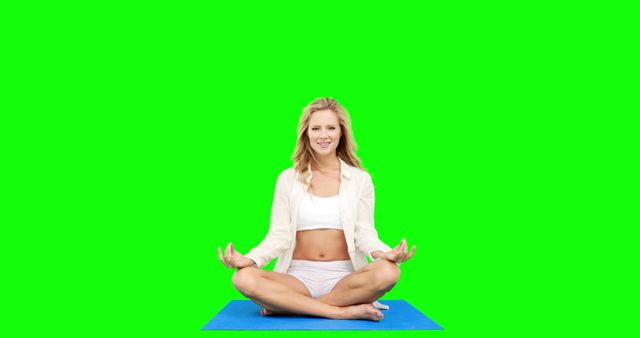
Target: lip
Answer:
[[324, 144]]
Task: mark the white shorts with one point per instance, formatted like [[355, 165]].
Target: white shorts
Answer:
[[319, 276]]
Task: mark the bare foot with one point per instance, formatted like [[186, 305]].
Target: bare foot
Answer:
[[363, 311], [267, 312]]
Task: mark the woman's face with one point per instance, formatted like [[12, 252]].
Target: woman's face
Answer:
[[324, 132]]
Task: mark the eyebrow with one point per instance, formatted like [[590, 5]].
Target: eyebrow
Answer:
[[329, 125]]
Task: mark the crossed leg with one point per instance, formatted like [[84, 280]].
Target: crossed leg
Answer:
[[285, 294], [365, 285], [288, 280]]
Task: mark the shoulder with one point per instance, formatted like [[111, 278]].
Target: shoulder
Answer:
[[359, 172], [361, 176], [284, 180], [287, 175]]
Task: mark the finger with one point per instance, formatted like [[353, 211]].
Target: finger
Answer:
[[404, 245], [397, 250], [410, 254], [225, 260], [222, 258], [232, 255], [228, 250], [227, 254]]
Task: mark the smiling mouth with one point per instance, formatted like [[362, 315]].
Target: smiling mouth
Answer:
[[324, 144]]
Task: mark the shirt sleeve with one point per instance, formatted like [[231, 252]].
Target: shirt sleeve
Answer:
[[278, 238], [366, 236], [371, 256]]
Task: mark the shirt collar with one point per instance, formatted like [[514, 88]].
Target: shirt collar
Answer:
[[345, 170]]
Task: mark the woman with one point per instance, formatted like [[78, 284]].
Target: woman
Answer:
[[321, 229]]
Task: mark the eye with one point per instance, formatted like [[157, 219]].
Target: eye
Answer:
[[314, 128], [333, 128]]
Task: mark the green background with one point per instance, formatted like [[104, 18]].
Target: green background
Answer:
[[138, 138]]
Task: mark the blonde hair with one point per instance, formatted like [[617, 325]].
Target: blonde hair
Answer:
[[346, 146]]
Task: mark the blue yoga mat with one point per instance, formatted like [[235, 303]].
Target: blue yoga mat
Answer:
[[245, 315]]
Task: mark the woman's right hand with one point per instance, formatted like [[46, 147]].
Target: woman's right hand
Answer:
[[233, 259]]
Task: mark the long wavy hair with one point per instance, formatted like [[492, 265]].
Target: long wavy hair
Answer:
[[303, 154]]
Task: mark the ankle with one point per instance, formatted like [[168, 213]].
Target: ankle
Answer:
[[342, 312]]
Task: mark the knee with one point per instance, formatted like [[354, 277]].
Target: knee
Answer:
[[245, 280], [387, 274]]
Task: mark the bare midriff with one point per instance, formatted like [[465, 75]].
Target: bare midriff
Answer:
[[321, 245]]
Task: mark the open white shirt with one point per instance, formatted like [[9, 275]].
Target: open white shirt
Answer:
[[356, 200]]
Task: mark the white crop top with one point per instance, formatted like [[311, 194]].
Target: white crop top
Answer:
[[319, 213]]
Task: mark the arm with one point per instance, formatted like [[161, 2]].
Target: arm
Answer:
[[366, 236], [278, 238]]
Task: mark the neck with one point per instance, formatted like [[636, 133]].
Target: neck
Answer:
[[326, 162]]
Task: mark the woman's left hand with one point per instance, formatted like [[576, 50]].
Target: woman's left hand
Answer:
[[399, 253]]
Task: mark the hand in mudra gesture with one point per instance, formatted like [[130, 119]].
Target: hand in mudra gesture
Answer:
[[399, 253], [233, 259]]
